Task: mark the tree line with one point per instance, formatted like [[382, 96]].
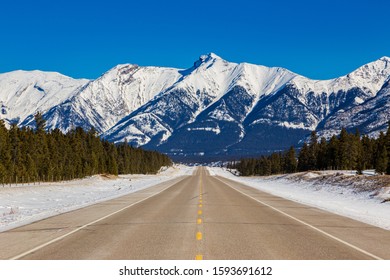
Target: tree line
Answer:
[[347, 151], [32, 155]]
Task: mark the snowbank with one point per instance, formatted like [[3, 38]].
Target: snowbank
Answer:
[[363, 198]]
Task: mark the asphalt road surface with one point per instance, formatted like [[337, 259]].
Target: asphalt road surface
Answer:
[[197, 217]]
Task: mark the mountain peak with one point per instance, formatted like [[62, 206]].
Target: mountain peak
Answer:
[[385, 58], [210, 57]]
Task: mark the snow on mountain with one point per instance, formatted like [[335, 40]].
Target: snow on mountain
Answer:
[[369, 117], [25, 92], [214, 108], [203, 88], [224, 108], [370, 76], [106, 100], [315, 100]]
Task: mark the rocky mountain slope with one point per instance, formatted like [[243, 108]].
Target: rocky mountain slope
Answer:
[[212, 110], [23, 93], [221, 109]]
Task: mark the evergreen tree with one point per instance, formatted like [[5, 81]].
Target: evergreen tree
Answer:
[[332, 151], [290, 161], [3, 174], [358, 143], [322, 155], [312, 151], [355, 152], [276, 163], [5, 153], [32, 173], [16, 155], [304, 158], [40, 122], [387, 144], [367, 152], [344, 150], [382, 160]]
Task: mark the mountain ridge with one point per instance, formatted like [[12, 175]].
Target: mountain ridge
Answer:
[[215, 108]]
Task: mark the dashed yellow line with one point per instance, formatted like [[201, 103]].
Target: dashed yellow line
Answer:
[[199, 221]]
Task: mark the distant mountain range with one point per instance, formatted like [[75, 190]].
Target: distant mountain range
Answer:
[[214, 110]]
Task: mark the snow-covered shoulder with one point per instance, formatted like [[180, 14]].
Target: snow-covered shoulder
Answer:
[[21, 205], [343, 193]]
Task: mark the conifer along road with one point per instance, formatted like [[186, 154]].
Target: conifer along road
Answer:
[[197, 217]]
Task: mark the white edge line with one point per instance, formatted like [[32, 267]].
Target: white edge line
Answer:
[[86, 225], [304, 223]]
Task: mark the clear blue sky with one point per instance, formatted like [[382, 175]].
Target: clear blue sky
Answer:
[[318, 38]]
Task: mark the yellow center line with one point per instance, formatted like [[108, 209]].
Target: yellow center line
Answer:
[[199, 221]]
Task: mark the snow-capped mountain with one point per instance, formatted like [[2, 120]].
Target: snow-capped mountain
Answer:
[[304, 105], [212, 91], [221, 108], [23, 93], [213, 109], [106, 100]]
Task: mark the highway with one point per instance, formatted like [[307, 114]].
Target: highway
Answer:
[[199, 217]]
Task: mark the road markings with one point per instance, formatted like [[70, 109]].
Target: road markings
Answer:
[[306, 224], [86, 225], [199, 235]]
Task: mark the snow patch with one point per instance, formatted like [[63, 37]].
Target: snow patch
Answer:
[[216, 130]]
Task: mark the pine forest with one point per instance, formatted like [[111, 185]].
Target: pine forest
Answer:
[[35, 155], [347, 151]]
